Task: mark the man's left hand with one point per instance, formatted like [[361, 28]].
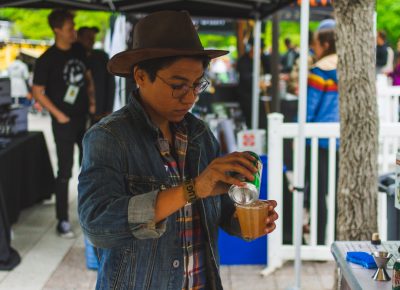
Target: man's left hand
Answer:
[[271, 218], [92, 109]]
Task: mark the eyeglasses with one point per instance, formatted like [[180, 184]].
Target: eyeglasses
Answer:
[[179, 91]]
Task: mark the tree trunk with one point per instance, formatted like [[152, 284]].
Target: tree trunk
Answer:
[[359, 125]]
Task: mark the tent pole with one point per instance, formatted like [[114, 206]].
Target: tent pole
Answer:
[[275, 62], [256, 72], [299, 192]]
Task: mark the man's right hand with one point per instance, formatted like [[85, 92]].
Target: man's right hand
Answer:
[[215, 179], [62, 118]]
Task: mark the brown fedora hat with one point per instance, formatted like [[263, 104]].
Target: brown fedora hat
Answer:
[[160, 34]]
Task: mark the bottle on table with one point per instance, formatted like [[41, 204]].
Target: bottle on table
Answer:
[[397, 181], [396, 274]]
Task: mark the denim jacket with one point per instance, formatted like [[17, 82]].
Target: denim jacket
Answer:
[[122, 173]]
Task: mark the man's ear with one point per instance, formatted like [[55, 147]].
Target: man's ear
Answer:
[[139, 76], [326, 46], [56, 30]]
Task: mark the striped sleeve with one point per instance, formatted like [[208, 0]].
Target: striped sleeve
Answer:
[[317, 82], [315, 90], [318, 86]]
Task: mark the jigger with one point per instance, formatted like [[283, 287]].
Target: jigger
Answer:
[[381, 259]]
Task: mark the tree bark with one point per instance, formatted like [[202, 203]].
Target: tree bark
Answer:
[[359, 125]]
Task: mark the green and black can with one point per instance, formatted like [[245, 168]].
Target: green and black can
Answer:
[[396, 275], [251, 191]]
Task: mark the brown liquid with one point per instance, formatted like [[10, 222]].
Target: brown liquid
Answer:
[[252, 219]]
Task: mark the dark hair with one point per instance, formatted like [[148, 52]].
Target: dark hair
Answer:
[[287, 41], [82, 30], [152, 66], [58, 17], [382, 35], [397, 59], [327, 36], [310, 38]]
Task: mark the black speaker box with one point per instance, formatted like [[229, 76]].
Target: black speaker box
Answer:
[[13, 120], [5, 92]]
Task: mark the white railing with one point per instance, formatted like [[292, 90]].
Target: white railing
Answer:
[[388, 103], [277, 132]]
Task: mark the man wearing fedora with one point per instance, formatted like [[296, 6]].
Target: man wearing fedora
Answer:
[[152, 190]]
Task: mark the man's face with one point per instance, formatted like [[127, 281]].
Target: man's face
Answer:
[[159, 98], [87, 39], [67, 32], [379, 40], [319, 48]]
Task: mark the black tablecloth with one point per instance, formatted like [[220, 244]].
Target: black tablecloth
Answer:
[[9, 258], [26, 174]]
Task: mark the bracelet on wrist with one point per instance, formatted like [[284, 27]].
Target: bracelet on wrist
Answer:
[[189, 191]]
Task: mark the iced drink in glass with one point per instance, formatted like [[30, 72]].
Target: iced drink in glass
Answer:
[[252, 219]]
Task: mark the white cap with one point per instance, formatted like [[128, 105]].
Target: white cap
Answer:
[[326, 24]]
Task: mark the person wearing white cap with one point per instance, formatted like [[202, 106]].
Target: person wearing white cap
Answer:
[[326, 24]]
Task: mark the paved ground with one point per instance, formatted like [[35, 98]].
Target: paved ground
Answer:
[[51, 263]]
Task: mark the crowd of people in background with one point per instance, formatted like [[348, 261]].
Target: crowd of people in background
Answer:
[[387, 63], [387, 59], [223, 70], [71, 82]]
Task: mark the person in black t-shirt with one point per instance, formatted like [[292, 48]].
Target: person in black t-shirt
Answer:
[[104, 82], [63, 84], [289, 58], [381, 51]]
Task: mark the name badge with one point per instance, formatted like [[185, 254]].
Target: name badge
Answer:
[[71, 94]]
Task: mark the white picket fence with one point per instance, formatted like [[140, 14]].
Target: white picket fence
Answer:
[[388, 103], [277, 132]]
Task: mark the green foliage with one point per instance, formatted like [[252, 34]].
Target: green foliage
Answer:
[[388, 19], [220, 42], [32, 23], [99, 19], [28, 23], [287, 29]]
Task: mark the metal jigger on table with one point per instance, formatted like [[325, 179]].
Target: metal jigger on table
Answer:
[[381, 259]]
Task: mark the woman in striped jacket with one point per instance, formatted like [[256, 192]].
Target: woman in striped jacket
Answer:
[[322, 107]]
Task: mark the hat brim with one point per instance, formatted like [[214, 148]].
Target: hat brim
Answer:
[[122, 63]]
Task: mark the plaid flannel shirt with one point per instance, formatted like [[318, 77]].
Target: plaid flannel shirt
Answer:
[[188, 219]]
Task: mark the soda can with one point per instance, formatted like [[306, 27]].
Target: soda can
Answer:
[[251, 190]]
